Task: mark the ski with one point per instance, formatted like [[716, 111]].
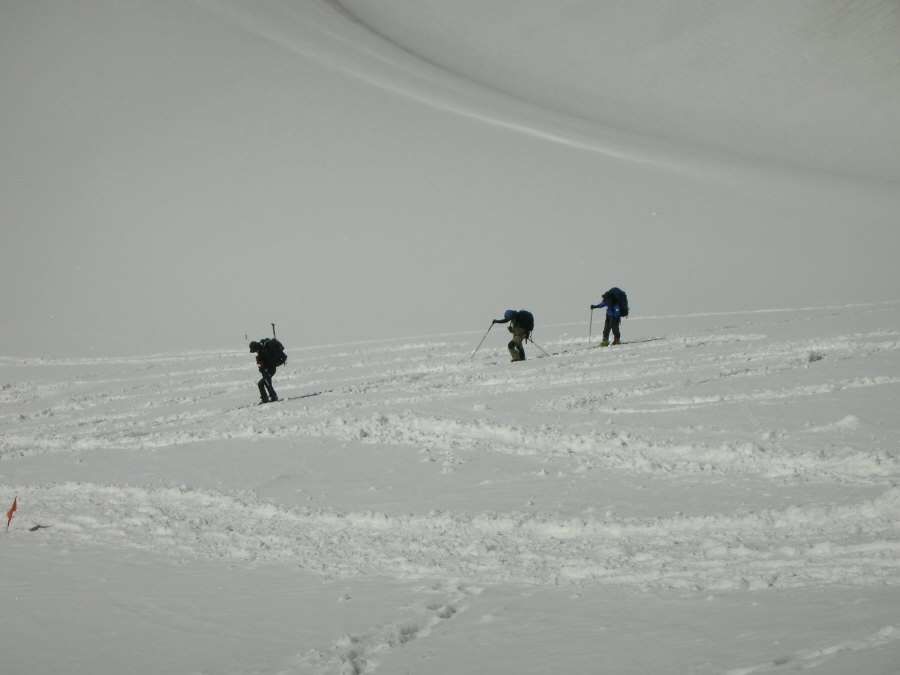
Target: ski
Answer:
[[626, 342], [310, 395], [575, 350], [286, 398]]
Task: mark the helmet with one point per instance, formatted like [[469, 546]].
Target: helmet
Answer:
[[508, 314], [255, 346]]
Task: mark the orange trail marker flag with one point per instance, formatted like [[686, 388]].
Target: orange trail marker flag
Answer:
[[12, 510]]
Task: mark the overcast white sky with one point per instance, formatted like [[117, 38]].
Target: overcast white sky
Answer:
[[177, 175]]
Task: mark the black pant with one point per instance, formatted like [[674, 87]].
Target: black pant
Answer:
[[612, 324], [266, 391]]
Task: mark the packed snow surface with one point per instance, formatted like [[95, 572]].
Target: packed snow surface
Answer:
[[717, 495], [176, 174]]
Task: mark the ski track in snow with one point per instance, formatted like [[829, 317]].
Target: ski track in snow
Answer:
[[647, 379], [790, 547], [432, 396]]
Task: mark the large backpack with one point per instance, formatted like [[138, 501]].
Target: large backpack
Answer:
[[618, 296], [525, 320], [275, 349]]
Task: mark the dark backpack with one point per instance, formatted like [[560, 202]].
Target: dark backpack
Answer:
[[617, 295], [525, 320], [275, 351]]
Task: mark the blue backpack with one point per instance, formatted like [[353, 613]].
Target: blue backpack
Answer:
[[618, 296]]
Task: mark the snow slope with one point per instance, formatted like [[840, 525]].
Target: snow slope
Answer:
[[177, 174], [810, 83], [718, 495]]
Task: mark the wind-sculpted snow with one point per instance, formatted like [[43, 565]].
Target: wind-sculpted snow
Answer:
[[431, 395], [721, 457], [794, 546]]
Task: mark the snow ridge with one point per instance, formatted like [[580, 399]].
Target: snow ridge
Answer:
[[782, 548]]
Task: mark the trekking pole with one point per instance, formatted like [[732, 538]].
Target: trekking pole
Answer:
[[538, 346], [591, 327], [273, 332], [482, 341]]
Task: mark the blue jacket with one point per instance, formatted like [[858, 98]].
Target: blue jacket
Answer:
[[611, 310]]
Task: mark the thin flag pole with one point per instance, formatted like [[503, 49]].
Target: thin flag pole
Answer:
[[12, 510]]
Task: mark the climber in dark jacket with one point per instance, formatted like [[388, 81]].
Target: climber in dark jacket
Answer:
[[268, 358], [521, 324]]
